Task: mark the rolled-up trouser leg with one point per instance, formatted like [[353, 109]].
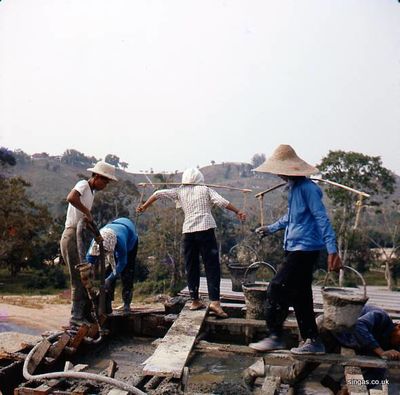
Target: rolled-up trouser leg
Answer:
[[80, 308]]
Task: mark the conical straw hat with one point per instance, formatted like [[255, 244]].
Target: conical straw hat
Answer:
[[285, 161]]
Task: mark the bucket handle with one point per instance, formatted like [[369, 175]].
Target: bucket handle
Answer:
[[354, 271], [257, 266], [243, 245]]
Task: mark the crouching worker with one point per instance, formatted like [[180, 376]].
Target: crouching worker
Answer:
[[375, 334], [120, 241]]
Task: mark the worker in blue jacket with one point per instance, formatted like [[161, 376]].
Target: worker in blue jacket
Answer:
[[120, 241], [307, 231]]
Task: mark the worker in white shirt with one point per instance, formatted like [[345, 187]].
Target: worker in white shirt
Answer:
[[196, 200]]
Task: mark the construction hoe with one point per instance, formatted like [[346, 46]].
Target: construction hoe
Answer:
[[97, 296]]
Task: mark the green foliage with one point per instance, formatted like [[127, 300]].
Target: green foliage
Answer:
[[25, 226], [53, 277], [358, 171], [76, 158], [257, 160], [6, 157], [112, 160], [119, 199]]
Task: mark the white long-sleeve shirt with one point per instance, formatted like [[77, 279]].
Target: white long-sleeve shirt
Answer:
[[196, 202]]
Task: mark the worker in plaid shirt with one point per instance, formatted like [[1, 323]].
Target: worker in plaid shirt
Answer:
[[196, 200]]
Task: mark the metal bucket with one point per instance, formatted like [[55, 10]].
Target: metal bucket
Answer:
[[342, 306], [237, 270], [255, 294], [237, 275]]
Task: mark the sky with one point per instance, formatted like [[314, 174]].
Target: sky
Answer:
[[171, 84]]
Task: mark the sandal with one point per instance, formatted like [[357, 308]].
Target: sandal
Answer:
[[217, 310], [197, 305]]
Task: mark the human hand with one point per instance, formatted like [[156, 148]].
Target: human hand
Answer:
[[262, 231], [89, 217], [334, 263], [390, 354], [241, 215], [140, 208]]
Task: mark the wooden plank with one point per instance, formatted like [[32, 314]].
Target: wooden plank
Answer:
[[356, 360], [78, 338], [58, 347], [111, 369], [270, 386], [38, 355], [171, 355]]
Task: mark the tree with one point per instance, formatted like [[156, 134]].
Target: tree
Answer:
[[76, 158], [24, 226], [112, 160], [119, 199], [124, 165], [387, 242], [257, 159], [6, 157], [358, 171]]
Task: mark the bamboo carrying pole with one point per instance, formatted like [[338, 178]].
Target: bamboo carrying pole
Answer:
[[207, 185]]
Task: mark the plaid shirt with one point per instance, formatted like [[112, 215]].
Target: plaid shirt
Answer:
[[196, 202]]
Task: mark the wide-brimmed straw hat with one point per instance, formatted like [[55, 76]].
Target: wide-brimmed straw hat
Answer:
[[285, 161], [104, 169]]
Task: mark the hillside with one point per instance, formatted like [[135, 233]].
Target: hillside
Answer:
[[51, 181]]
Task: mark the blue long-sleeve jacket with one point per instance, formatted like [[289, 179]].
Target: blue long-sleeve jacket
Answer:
[[125, 231], [372, 330], [306, 222]]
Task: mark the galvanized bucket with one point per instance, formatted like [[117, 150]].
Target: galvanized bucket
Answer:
[[342, 306], [237, 270], [255, 293]]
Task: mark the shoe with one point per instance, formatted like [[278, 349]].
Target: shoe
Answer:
[[217, 310], [310, 346], [268, 344], [197, 304], [126, 308]]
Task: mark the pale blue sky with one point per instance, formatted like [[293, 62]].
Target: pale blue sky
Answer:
[[170, 84]]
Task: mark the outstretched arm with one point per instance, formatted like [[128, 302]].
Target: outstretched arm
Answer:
[[240, 214], [146, 204]]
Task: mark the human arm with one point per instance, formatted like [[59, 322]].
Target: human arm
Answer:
[[388, 354], [281, 223], [373, 325], [74, 198], [313, 197], [240, 214], [146, 204], [160, 194]]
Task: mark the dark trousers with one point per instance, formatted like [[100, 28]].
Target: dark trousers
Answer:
[[202, 243], [291, 286], [126, 277]]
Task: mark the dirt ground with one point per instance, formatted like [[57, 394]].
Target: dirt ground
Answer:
[[46, 313]]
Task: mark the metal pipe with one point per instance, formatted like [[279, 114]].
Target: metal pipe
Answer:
[[75, 375]]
